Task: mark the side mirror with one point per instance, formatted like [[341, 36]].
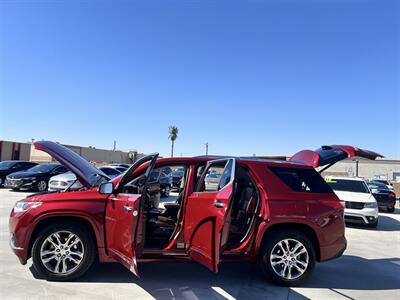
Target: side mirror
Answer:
[[106, 188]]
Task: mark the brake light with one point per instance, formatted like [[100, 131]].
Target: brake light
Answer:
[[392, 195]]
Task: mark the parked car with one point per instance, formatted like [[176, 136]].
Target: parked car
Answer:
[[118, 168], [126, 166], [63, 181], [281, 215], [163, 180], [385, 197], [212, 180], [36, 178], [177, 176], [10, 166], [360, 204], [385, 182]]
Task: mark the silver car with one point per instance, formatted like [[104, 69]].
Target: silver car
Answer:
[[62, 181]]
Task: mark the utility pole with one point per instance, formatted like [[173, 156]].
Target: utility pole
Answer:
[[206, 148], [357, 168], [115, 145]]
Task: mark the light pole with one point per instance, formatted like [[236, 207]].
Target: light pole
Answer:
[[206, 148]]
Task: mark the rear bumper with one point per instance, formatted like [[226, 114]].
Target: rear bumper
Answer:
[[333, 250], [386, 204]]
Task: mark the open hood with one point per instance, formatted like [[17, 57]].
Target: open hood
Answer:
[[329, 155], [86, 173]]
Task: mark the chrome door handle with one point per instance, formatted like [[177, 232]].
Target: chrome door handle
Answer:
[[128, 208], [219, 204]]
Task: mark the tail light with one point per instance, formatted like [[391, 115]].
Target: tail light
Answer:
[[392, 195]]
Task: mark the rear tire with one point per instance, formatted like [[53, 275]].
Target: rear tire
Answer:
[[391, 209], [287, 257], [64, 260], [41, 186]]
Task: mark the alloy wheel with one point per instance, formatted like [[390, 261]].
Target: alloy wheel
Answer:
[[289, 259], [62, 252], [42, 185]]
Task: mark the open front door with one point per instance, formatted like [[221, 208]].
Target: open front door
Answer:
[[124, 215], [207, 215]]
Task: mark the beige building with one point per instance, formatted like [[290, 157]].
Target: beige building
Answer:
[[25, 151]]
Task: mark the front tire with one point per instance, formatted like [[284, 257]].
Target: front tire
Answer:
[[64, 251], [287, 257]]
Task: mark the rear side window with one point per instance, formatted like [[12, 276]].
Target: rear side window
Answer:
[[302, 180]]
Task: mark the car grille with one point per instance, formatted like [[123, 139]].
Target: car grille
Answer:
[[354, 205], [13, 182], [58, 183]]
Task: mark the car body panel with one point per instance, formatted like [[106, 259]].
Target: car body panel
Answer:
[[120, 224], [205, 225], [87, 174], [327, 155], [279, 205]]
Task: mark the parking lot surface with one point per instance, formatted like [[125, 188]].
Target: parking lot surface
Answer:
[[369, 269]]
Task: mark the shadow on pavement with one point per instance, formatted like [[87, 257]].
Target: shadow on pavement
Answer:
[[385, 223], [245, 281]]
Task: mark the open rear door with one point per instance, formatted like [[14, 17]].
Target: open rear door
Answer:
[[207, 215], [326, 156], [124, 216]]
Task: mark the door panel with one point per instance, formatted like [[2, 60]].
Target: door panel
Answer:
[[207, 218], [121, 223], [125, 217]]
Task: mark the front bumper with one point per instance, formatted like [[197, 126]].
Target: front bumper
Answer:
[[19, 251], [361, 216]]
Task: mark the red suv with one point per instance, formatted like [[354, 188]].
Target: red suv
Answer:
[[280, 214]]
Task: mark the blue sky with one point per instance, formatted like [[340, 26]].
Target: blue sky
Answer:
[[263, 77]]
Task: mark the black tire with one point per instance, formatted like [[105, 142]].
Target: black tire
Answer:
[[391, 209], [41, 186], [89, 252], [268, 247], [373, 225]]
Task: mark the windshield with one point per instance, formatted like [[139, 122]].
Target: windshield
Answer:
[[177, 173], [6, 164], [381, 181], [42, 168], [377, 185], [154, 176], [348, 185]]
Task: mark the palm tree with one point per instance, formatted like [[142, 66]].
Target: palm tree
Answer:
[[173, 135]]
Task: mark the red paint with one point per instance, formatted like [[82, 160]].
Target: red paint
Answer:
[[202, 224]]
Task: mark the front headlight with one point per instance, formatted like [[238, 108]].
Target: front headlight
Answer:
[[22, 206], [371, 205]]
